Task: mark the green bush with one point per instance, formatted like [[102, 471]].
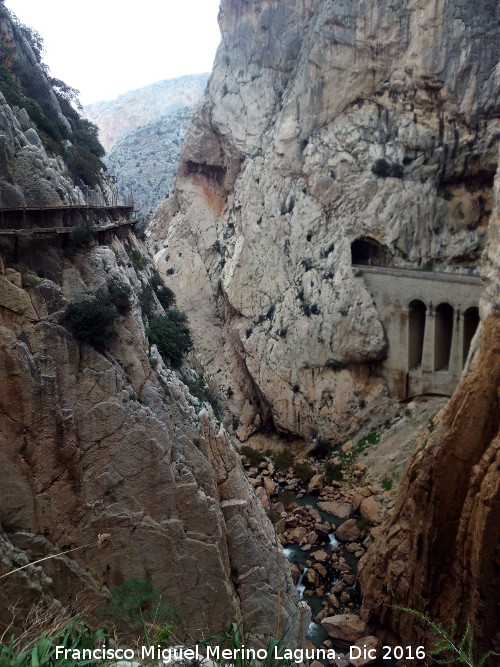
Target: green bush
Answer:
[[333, 472], [171, 335], [83, 164], [51, 126], [254, 457], [283, 460], [146, 300], [86, 134], [138, 260], [79, 239], [386, 483], [119, 294], [372, 438], [163, 293], [9, 87], [91, 321], [197, 387], [303, 471]]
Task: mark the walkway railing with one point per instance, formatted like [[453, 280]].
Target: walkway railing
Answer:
[[31, 231]]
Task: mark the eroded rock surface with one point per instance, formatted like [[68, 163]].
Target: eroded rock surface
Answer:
[[144, 162], [136, 108], [109, 440], [114, 443], [323, 123]]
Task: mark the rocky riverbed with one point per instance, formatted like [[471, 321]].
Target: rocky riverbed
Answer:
[[325, 527]]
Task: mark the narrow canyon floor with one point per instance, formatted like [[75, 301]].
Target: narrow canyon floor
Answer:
[[327, 503]]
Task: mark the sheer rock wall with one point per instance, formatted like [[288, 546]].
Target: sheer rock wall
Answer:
[[111, 441], [324, 122], [440, 552]]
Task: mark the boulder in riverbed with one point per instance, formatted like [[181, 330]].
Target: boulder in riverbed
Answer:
[[348, 531], [347, 627], [369, 510], [316, 484], [342, 510]]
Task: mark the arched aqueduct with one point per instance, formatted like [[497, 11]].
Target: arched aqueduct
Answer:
[[430, 319]]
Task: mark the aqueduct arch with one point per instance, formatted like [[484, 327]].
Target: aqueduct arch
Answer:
[[443, 336], [471, 322], [416, 329], [430, 319]]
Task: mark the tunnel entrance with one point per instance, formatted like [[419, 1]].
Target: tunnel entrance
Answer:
[[471, 322], [443, 336], [368, 252], [416, 330]]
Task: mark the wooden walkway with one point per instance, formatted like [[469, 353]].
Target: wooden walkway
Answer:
[[66, 230], [70, 207]]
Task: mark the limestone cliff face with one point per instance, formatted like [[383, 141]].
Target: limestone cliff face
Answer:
[[114, 443], [144, 162], [325, 122], [111, 441], [440, 552], [136, 108]]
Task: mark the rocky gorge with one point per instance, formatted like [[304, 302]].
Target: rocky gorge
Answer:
[[333, 134], [99, 431], [230, 430], [144, 162]]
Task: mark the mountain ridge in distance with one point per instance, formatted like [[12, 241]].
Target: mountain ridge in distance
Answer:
[[135, 108]]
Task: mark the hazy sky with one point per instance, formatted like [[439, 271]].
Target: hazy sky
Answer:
[[106, 47]]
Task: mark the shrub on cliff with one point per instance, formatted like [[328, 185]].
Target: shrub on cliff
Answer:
[[119, 294], [333, 472], [163, 293], [91, 321], [83, 164], [155, 287], [171, 335], [383, 168], [79, 239], [135, 603]]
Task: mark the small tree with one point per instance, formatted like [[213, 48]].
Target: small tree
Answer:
[[163, 293]]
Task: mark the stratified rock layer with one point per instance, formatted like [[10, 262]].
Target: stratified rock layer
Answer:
[[323, 123]]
